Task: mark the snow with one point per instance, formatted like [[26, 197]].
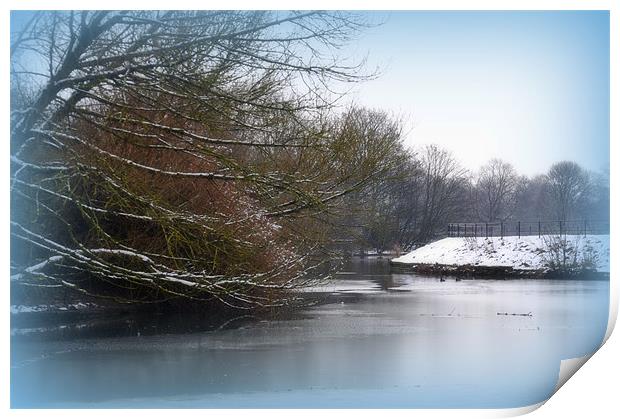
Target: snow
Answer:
[[521, 253], [21, 308]]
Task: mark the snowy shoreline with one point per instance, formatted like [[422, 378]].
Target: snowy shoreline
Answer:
[[512, 256]]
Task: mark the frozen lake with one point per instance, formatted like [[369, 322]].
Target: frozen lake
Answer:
[[379, 340]]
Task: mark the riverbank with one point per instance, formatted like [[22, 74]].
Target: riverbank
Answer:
[[529, 257]]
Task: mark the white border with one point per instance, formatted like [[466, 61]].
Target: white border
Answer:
[[592, 393]]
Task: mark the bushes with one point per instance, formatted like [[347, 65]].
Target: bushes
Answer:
[[569, 256]]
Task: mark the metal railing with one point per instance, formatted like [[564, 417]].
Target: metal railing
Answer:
[[527, 228]]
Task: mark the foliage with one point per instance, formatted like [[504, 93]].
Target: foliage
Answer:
[[161, 155]]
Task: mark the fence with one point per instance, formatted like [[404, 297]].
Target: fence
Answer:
[[527, 228]]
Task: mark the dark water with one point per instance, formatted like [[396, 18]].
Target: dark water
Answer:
[[380, 340]]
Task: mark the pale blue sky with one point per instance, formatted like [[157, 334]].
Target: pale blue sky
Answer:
[[529, 87]]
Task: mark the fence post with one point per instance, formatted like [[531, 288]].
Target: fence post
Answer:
[[539, 229], [585, 228], [501, 228], [475, 230], [560, 228], [486, 230], [519, 228]]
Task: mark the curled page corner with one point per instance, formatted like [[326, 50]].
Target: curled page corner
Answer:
[[568, 367], [519, 411]]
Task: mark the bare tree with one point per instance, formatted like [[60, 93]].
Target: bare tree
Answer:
[[568, 188], [496, 188], [366, 217], [443, 186], [598, 200], [532, 198], [170, 154]]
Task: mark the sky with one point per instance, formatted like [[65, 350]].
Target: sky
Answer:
[[531, 88]]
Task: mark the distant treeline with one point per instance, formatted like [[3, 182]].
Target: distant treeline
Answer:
[[415, 205]]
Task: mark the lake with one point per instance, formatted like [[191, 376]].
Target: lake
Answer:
[[376, 340]]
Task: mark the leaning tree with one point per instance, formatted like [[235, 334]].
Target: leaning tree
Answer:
[[161, 155]]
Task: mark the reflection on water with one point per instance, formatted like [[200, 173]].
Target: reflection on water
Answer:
[[380, 340]]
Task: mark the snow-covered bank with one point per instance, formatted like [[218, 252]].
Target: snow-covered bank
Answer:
[[525, 253]]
